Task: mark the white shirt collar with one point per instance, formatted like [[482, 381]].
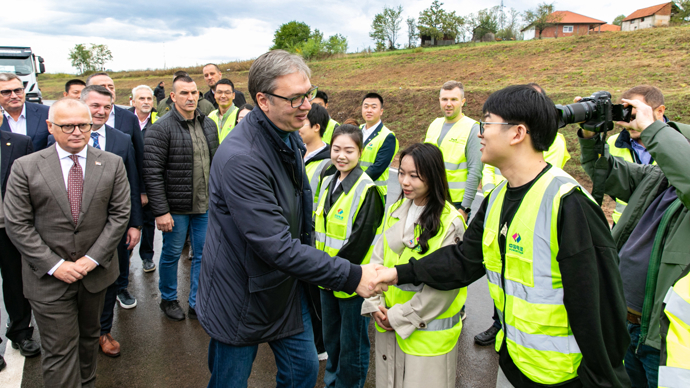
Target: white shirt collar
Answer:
[[62, 154], [315, 152], [372, 127], [21, 116], [100, 131]]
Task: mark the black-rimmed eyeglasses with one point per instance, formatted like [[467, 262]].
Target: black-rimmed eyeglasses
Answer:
[[482, 124], [69, 128], [310, 95]]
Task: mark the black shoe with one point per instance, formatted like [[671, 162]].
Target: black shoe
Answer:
[[191, 313], [27, 347], [3, 364], [172, 309], [127, 301], [486, 338], [148, 265]]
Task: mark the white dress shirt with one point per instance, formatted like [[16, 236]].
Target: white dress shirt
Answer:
[[142, 124], [310, 155], [111, 118], [101, 138], [18, 126], [366, 132], [66, 163]]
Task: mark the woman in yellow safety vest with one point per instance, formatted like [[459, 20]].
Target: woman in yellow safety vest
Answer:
[[347, 223], [417, 326]]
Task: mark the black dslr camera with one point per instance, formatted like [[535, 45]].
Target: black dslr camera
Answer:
[[595, 113]]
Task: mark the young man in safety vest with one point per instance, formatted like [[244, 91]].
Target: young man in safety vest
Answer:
[[226, 114], [456, 135], [322, 99], [380, 143], [674, 371], [554, 278]]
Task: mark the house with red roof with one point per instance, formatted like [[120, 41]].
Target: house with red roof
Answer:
[[654, 16], [606, 28], [564, 23]]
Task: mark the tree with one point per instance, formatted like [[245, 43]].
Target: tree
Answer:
[[618, 20], [437, 23], [336, 44], [385, 27], [486, 22], [511, 27], [680, 14], [291, 34], [411, 32], [541, 17], [100, 54], [81, 58]]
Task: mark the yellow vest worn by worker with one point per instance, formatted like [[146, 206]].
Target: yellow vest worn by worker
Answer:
[[328, 134], [529, 297], [154, 117], [674, 371], [440, 334], [333, 231], [371, 149], [314, 169], [557, 155], [227, 126], [453, 148]]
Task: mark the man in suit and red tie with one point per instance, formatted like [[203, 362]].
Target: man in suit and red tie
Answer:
[[19, 330], [66, 209], [22, 117]]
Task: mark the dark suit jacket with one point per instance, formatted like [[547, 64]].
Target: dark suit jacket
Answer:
[[127, 122], [36, 127], [14, 146], [40, 224]]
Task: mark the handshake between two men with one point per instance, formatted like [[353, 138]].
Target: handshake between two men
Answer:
[[375, 280]]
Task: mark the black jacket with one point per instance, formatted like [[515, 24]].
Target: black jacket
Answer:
[[258, 239], [36, 126], [168, 161], [14, 146], [159, 93]]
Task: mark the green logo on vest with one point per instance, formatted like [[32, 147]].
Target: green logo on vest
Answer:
[[515, 247], [339, 215]]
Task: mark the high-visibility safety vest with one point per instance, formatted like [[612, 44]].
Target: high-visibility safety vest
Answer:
[[557, 155], [371, 149], [314, 169], [227, 126], [334, 230], [441, 334], [328, 134], [453, 148], [674, 371], [529, 296], [154, 117]]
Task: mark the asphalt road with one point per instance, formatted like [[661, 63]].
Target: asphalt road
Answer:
[[157, 352]]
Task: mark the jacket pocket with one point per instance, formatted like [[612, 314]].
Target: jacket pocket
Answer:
[[268, 297]]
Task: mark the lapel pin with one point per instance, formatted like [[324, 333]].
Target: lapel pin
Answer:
[[9, 144], [98, 163]]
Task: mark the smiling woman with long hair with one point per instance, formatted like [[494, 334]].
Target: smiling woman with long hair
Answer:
[[417, 327]]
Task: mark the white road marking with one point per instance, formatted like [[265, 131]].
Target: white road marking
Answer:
[[11, 376]]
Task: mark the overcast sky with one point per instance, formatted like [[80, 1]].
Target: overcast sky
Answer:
[[157, 34]]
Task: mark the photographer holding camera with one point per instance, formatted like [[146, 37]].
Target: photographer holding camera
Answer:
[[652, 234]]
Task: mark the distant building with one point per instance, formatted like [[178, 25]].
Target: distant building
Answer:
[[655, 16], [606, 28], [566, 23], [430, 41]]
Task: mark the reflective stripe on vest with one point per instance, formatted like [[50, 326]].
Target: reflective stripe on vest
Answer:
[[370, 152], [440, 335], [335, 228], [227, 126], [314, 175], [453, 148], [328, 134], [676, 371], [529, 297]]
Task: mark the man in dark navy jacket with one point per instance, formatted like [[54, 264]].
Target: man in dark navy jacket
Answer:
[[24, 118], [19, 330]]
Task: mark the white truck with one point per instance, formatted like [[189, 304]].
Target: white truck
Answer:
[[22, 62]]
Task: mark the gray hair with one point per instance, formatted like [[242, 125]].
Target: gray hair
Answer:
[[271, 65], [88, 79], [66, 103], [140, 87], [4, 77], [96, 89]]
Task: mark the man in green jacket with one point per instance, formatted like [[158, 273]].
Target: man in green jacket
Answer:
[[652, 235]]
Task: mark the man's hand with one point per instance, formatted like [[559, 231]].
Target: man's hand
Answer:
[[644, 116], [144, 199], [87, 264], [369, 275], [70, 272], [165, 223], [386, 277], [133, 235], [381, 318]]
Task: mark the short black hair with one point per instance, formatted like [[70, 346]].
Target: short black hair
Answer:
[[537, 87], [373, 95], [523, 104], [225, 81], [350, 130], [318, 115], [322, 95], [71, 82]]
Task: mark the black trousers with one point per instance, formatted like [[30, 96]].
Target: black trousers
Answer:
[[147, 234], [18, 307], [119, 284]]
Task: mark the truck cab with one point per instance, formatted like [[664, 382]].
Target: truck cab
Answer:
[[22, 62]]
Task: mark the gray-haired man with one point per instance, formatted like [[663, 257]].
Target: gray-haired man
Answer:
[[259, 229]]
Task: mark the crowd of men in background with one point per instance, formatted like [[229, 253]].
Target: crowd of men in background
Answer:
[[165, 145]]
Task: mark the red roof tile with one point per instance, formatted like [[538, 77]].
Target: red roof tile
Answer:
[[644, 12], [568, 17], [606, 27]]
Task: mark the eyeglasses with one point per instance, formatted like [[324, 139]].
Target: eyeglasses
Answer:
[[310, 95], [8, 92], [224, 92], [69, 128], [482, 124]]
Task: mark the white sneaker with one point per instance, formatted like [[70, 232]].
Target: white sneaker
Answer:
[[323, 356]]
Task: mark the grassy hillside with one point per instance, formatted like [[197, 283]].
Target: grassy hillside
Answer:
[[410, 80]]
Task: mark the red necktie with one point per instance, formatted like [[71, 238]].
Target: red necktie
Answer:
[[75, 187]]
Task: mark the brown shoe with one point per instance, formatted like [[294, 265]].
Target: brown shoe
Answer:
[[109, 346]]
